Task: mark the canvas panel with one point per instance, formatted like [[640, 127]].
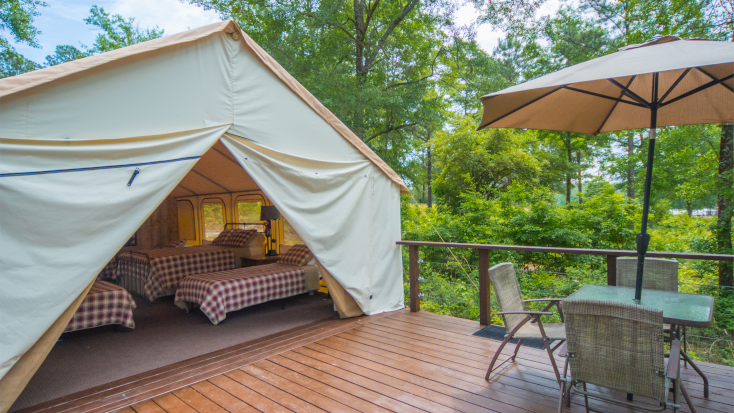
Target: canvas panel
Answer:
[[45, 261], [179, 88], [331, 204]]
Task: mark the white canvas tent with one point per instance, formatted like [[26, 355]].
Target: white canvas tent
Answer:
[[208, 99]]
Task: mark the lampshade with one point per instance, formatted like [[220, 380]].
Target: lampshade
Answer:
[[269, 213]]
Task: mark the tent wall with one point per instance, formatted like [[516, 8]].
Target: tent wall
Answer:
[[59, 229], [13, 383], [347, 213], [160, 110]]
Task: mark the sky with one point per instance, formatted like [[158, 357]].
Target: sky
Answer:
[[62, 22]]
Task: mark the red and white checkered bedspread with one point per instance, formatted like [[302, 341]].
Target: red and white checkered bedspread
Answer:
[[222, 292], [106, 303], [168, 266]]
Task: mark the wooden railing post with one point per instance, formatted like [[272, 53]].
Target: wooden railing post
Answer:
[[611, 269], [485, 307], [415, 288]]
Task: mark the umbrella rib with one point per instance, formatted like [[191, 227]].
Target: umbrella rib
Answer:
[[714, 78], [519, 108], [614, 107], [698, 89], [604, 96], [674, 84], [630, 93]]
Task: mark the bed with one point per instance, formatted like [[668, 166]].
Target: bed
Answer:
[[105, 304], [219, 293], [157, 273]]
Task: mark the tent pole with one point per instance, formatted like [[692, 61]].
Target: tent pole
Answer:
[[643, 238]]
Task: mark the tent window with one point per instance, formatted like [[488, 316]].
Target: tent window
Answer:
[[249, 211], [213, 217], [290, 237], [186, 220]]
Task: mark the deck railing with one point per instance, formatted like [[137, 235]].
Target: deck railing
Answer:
[[485, 315]]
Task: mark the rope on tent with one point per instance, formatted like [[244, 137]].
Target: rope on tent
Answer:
[[449, 249]]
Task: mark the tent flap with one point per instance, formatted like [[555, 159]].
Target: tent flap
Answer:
[[47, 261], [331, 205]]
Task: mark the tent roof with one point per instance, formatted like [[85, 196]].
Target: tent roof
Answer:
[[15, 84]]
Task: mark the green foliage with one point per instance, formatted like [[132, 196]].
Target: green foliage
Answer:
[[117, 32], [17, 16], [483, 162], [522, 215]]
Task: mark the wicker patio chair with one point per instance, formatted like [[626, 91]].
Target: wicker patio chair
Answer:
[[658, 274], [619, 346], [519, 322]]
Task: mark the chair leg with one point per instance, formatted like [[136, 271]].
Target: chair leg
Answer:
[[552, 360], [496, 356], [586, 398], [565, 386], [688, 398], [517, 348], [561, 397]]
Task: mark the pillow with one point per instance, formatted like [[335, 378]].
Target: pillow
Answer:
[[222, 238], [176, 244], [240, 237], [299, 255], [234, 237]]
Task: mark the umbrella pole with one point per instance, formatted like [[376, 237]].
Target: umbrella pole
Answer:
[[643, 238]]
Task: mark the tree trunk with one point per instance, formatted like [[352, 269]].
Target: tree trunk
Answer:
[[578, 161], [567, 142], [725, 203], [689, 208], [429, 176], [631, 169]]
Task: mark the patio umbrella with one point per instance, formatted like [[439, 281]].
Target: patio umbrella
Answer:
[[664, 82]]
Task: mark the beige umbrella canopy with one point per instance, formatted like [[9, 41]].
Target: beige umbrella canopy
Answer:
[[665, 82]]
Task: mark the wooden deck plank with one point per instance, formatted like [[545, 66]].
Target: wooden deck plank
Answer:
[[356, 390], [400, 362], [170, 403], [297, 390], [334, 393], [426, 389], [147, 406], [247, 395], [196, 400], [275, 394], [222, 398]]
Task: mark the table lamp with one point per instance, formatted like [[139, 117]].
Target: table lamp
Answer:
[[269, 213]]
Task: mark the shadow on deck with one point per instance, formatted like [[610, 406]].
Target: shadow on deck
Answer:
[[401, 362]]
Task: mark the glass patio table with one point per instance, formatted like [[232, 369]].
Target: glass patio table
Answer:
[[679, 309]]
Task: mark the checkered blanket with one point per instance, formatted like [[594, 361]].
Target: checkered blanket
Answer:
[[222, 292], [109, 272], [106, 303], [155, 273]]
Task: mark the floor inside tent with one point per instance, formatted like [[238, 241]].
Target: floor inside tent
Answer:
[[164, 334]]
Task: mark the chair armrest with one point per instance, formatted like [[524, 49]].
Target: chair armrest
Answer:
[[674, 360], [525, 312], [564, 349], [544, 299]]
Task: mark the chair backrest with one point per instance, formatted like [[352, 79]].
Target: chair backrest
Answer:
[[616, 345], [508, 294], [658, 274]]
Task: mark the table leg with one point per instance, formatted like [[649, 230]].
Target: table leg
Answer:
[[700, 373]]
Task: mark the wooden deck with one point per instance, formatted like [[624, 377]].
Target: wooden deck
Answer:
[[400, 362]]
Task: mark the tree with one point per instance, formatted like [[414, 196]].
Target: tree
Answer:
[[117, 32], [484, 162], [17, 16], [371, 63]]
